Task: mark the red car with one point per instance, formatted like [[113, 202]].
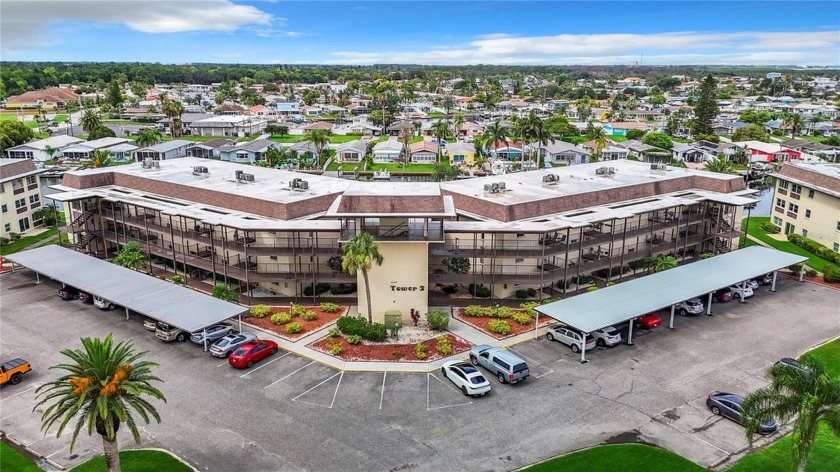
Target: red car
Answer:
[[722, 295], [250, 353], [648, 321]]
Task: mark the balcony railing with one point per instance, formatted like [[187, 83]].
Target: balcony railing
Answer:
[[400, 232]]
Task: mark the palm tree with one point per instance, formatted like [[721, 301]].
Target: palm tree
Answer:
[[131, 256], [457, 122], [360, 253], [440, 129], [661, 263], [807, 393], [149, 137], [173, 110], [101, 158], [793, 121], [719, 164], [480, 147], [496, 133], [50, 151], [540, 136], [224, 292], [90, 120], [319, 139], [406, 135], [104, 387], [600, 141]]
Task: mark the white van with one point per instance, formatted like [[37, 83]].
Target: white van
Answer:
[[102, 303]]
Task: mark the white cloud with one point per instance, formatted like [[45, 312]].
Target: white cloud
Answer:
[[26, 24], [688, 47]]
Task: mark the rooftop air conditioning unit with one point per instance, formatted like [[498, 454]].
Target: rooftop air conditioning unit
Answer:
[[248, 177], [501, 186], [550, 179], [488, 187], [601, 171], [148, 163], [200, 170], [156, 164], [238, 174], [658, 167]]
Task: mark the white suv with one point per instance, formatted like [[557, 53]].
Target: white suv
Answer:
[[739, 290], [608, 336], [692, 306], [569, 337]]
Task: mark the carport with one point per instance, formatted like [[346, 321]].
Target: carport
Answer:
[[164, 301], [626, 301]]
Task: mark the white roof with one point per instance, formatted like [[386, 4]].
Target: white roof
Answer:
[[55, 142], [389, 145]]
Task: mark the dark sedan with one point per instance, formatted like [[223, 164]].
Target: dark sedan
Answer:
[[729, 405], [68, 293]]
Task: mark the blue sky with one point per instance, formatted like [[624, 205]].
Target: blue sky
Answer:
[[445, 32]]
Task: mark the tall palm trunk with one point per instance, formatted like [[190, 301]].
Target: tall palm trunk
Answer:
[[112, 453], [367, 295]]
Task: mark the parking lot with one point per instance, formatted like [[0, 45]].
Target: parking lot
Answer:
[[290, 413]]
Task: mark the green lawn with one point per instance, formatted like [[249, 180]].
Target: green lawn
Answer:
[[617, 139], [680, 140], [27, 241], [618, 457], [814, 261], [139, 460], [825, 455], [816, 139], [829, 353], [334, 138], [396, 167], [61, 118], [435, 114], [10, 459]]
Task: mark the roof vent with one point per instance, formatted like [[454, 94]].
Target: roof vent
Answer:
[[243, 177], [551, 179], [495, 187], [299, 185], [150, 163], [200, 170], [605, 171], [659, 168]]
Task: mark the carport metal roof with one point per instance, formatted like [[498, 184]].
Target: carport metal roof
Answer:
[[164, 301], [616, 304]]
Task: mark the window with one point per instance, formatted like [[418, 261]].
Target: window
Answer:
[[838, 226], [780, 203], [836, 246], [784, 184], [8, 228], [24, 224], [811, 193], [2, 188], [807, 214], [795, 188], [804, 233], [793, 208], [33, 199], [31, 180], [20, 203], [777, 221], [5, 208]]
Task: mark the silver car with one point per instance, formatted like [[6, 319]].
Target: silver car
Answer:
[[608, 336], [226, 345], [692, 306], [213, 333]]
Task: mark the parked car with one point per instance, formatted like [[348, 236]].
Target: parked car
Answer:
[[753, 284], [722, 295], [150, 324], [692, 306], [466, 377], [12, 371], [729, 406], [250, 353], [740, 291], [85, 297], [609, 336], [569, 336], [766, 279], [648, 321], [506, 366], [68, 293], [167, 333], [102, 303], [793, 363], [214, 333], [226, 345]]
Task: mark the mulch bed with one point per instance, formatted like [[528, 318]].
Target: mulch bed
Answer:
[[323, 319], [481, 323], [388, 352], [817, 280]]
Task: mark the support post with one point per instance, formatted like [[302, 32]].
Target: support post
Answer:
[[583, 350], [537, 325], [773, 284], [37, 278], [240, 322], [743, 290], [205, 339], [671, 323], [709, 304], [802, 273], [630, 333], [127, 316]]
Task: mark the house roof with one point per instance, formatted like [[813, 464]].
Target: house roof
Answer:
[[167, 146], [459, 147], [389, 145], [258, 145], [562, 146], [627, 125], [16, 168], [52, 94], [424, 145], [353, 146], [55, 142], [319, 125]]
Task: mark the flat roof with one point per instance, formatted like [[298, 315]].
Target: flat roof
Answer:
[[164, 301], [598, 309]]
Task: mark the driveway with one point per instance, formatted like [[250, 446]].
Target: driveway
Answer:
[[290, 413]]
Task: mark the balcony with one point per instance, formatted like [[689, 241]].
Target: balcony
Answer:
[[400, 232]]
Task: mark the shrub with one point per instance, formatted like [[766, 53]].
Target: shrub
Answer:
[[811, 273], [479, 291], [610, 283], [529, 308], [561, 284], [376, 332], [814, 247], [334, 333], [532, 292], [521, 294], [582, 280], [281, 318], [14, 237], [796, 268], [297, 310], [178, 279], [438, 320], [444, 345], [614, 272], [294, 328], [831, 274], [354, 339], [335, 348], [260, 311], [449, 289], [420, 350], [343, 289], [350, 325], [707, 255], [522, 318], [475, 310], [770, 228], [310, 315], [504, 312], [592, 288], [499, 326], [4, 241], [328, 307], [309, 290]]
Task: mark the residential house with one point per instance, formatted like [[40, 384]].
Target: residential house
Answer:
[[362, 128], [397, 129], [82, 151], [640, 149], [461, 153], [358, 109], [52, 98], [288, 109], [620, 128], [470, 129], [561, 152], [614, 153], [38, 149], [208, 149], [163, 151], [20, 196], [263, 111], [247, 152], [228, 125], [831, 153], [122, 152], [509, 150], [390, 150], [304, 147], [768, 152], [688, 153], [229, 109], [351, 151], [423, 152], [805, 201], [318, 126], [187, 120], [310, 111]]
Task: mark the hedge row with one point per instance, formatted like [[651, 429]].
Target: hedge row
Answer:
[[812, 246]]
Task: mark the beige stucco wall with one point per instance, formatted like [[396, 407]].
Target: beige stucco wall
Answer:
[[405, 265], [825, 215]]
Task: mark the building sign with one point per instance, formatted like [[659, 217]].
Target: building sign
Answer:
[[401, 288]]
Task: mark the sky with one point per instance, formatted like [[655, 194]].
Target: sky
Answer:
[[408, 32]]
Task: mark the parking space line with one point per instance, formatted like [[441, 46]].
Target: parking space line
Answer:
[[543, 375], [260, 367], [56, 452], [223, 363], [341, 373], [15, 413], [382, 393], [33, 442], [428, 390], [22, 391], [336, 389], [289, 375], [528, 359]]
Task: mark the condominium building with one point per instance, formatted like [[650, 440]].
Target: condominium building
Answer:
[[20, 196], [280, 233], [806, 201]]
